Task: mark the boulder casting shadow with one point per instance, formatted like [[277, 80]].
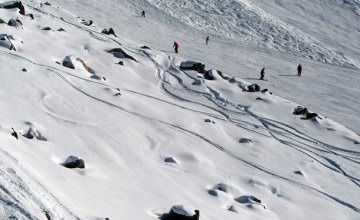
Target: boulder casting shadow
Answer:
[[74, 162], [179, 212]]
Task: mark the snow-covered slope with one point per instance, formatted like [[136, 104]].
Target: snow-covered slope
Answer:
[[152, 135]]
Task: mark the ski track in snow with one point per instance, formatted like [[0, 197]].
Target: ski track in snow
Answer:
[[337, 159], [224, 112]]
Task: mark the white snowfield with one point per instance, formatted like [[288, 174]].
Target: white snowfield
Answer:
[[154, 136]]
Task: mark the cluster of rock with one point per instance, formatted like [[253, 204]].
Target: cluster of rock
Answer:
[[305, 112]]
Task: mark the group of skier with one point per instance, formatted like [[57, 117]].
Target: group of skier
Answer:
[[262, 72], [207, 39]]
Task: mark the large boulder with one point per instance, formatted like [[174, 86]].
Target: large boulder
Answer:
[[180, 212], [74, 62], [120, 53], [193, 65], [253, 88], [14, 4], [74, 162]]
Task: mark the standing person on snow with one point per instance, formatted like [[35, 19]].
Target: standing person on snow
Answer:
[[176, 46], [299, 69], [207, 40], [262, 73], [143, 14]]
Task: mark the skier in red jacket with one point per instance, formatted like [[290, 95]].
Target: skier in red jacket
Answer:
[[176, 46]]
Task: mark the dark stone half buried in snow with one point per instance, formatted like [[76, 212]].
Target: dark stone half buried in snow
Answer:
[[179, 212], [14, 23], [253, 88], [311, 115], [120, 53], [74, 162], [2, 21], [193, 65], [212, 74], [300, 111], [146, 47], [108, 32], [33, 133], [46, 29]]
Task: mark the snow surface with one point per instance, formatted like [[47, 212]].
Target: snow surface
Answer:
[[299, 168]]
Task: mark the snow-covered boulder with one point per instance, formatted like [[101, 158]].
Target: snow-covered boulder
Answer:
[[74, 162], [211, 75], [193, 65], [74, 62], [253, 88], [181, 212]]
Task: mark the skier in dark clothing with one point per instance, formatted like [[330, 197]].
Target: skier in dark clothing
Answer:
[[176, 46], [207, 40], [299, 69], [143, 14], [262, 73]]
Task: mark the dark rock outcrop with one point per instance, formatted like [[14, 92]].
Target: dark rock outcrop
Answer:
[[311, 115], [74, 162], [193, 65], [108, 32], [120, 53], [300, 111], [211, 74], [146, 47], [14, 23], [179, 212], [2, 21], [87, 23], [245, 141], [14, 134], [253, 88], [14, 4], [170, 160], [33, 133], [31, 16]]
